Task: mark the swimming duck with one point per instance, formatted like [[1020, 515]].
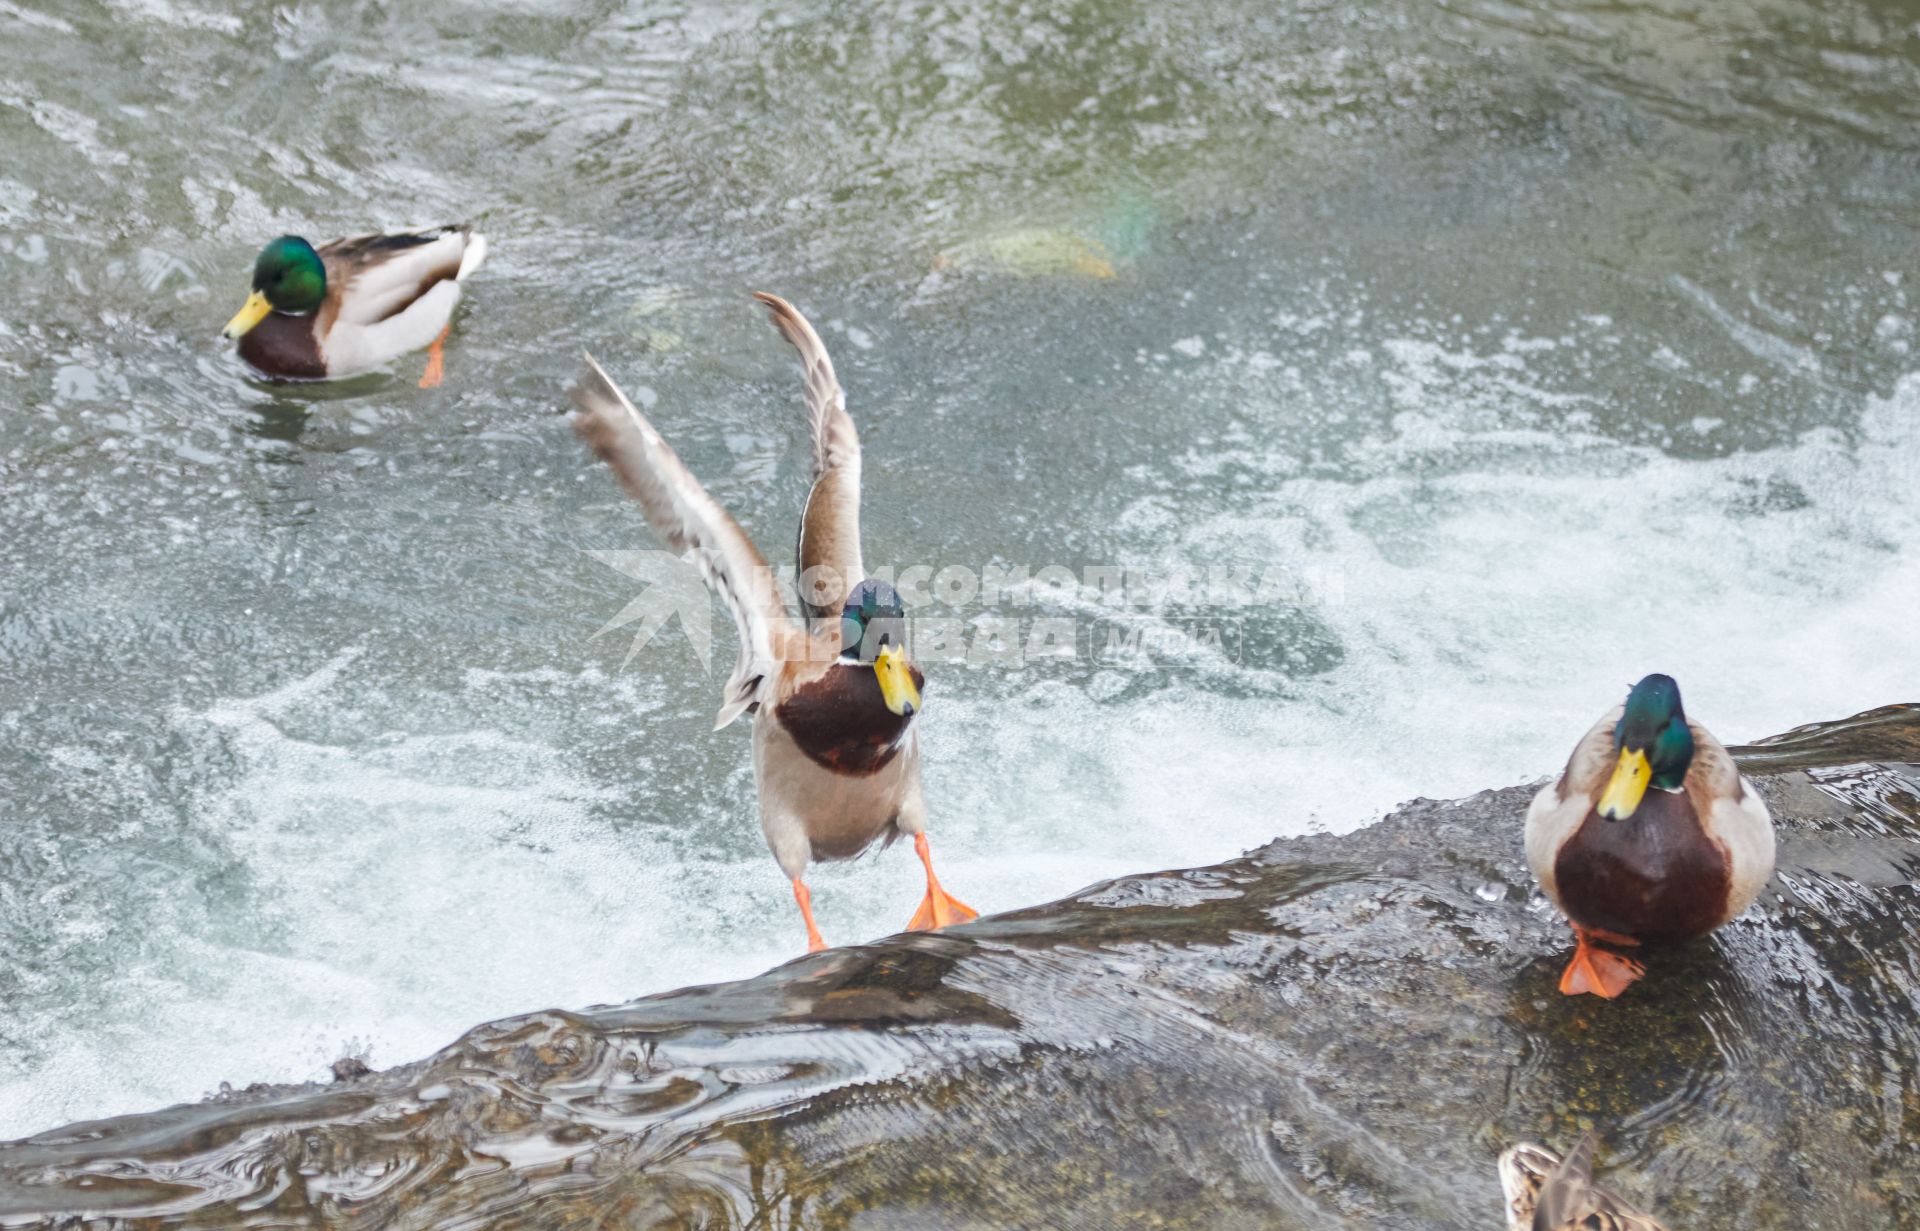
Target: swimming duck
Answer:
[[354, 304], [1547, 1193], [1650, 834], [836, 752]]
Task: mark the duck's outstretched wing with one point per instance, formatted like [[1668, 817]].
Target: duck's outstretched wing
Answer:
[[828, 552], [687, 519], [835, 443]]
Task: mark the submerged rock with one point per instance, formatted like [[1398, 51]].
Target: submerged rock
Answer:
[[1332, 1031]]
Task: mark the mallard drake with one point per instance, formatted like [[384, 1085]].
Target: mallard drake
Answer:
[[354, 304], [1548, 1193], [1650, 834], [836, 754]]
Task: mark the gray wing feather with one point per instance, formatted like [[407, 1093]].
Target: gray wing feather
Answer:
[[1547, 1193], [688, 520], [827, 552], [835, 442], [1566, 1195]]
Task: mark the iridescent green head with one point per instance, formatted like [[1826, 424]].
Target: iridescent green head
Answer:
[[288, 277], [873, 629], [1653, 744]]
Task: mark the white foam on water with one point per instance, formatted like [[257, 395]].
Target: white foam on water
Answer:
[[1482, 637], [400, 891], [1501, 586]]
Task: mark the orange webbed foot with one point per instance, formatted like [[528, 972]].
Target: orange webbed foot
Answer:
[[815, 942], [1595, 970], [436, 361], [939, 908]]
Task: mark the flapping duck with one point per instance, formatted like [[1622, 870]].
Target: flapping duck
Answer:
[[835, 698]]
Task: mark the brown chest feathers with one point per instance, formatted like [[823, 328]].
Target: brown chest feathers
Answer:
[[842, 722], [1656, 875], [283, 346]]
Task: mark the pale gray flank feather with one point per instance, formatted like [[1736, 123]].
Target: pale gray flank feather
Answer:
[[374, 283]]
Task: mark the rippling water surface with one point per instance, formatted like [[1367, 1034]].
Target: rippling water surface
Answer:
[[1558, 342], [1339, 1031]]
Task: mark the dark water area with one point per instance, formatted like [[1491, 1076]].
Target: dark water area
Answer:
[[1335, 1030]]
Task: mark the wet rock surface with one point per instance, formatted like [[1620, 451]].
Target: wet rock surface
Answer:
[[1337, 1030]]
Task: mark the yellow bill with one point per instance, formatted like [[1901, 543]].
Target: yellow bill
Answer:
[[1627, 786], [896, 681], [250, 314]]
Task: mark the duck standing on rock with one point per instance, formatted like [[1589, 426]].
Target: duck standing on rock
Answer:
[[836, 755], [354, 304], [1650, 834]]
